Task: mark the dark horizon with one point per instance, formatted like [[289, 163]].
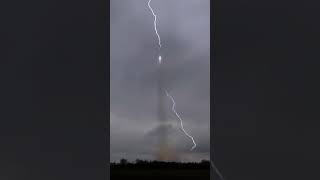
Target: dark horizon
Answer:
[[148, 160], [160, 170]]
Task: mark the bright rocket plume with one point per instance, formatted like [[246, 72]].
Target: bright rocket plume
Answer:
[[171, 97]]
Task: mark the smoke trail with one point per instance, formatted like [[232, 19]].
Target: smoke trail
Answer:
[[181, 124]]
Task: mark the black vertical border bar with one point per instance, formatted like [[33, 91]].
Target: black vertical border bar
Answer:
[[213, 46], [107, 50], [54, 76], [278, 49]]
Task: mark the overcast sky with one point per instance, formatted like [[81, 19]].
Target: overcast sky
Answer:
[[184, 28]]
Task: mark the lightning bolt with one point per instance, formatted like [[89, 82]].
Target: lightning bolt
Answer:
[[171, 97], [181, 123], [155, 24]]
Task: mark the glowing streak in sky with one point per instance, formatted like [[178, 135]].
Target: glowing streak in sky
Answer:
[[181, 124], [181, 121], [155, 24]]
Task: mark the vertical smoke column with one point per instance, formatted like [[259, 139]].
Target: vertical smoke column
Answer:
[[166, 152], [163, 142], [163, 137]]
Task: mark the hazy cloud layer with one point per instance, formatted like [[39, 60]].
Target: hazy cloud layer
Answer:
[[184, 29]]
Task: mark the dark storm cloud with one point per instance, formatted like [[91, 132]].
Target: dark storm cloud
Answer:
[[184, 29]]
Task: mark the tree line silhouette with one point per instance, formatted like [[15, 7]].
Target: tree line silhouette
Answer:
[[144, 164]]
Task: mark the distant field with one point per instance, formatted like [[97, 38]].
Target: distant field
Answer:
[[157, 174]]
